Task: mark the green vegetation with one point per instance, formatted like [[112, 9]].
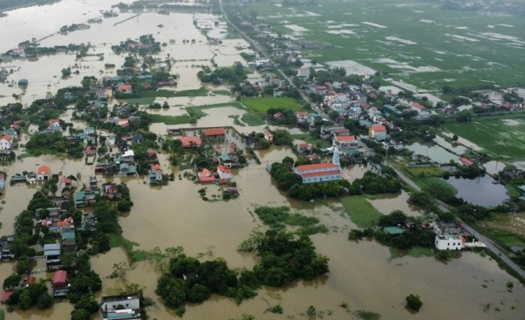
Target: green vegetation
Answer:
[[275, 309], [307, 137], [417, 252], [414, 302], [279, 217], [367, 315], [362, 213], [276, 250], [141, 101], [252, 119], [494, 135], [221, 92], [172, 120], [54, 144], [262, 105]]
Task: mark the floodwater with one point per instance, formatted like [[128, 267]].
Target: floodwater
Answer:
[[456, 148], [434, 152], [480, 191], [387, 204], [493, 167], [362, 274]]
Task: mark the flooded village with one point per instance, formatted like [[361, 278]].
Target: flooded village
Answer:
[[156, 162]]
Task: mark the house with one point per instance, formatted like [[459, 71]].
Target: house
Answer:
[[101, 93], [466, 162], [2, 181], [305, 147], [206, 177], [303, 72], [122, 307], [190, 141], [377, 132], [127, 170], [6, 295], [85, 198], [321, 172], [224, 173], [43, 173], [217, 133], [90, 151], [137, 138], [11, 132], [68, 240], [155, 174], [59, 283], [6, 142], [448, 236], [111, 140], [124, 88], [54, 125], [5, 249], [152, 154], [52, 255], [346, 141], [268, 136], [124, 123], [302, 116]]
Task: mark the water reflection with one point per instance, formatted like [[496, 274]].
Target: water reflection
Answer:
[[481, 191]]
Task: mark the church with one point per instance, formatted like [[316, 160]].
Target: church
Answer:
[[321, 172]]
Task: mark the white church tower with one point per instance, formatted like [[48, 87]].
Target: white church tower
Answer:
[[335, 157]]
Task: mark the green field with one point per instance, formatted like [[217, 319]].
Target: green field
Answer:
[[499, 137], [428, 182], [417, 42], [141, 101], [261, 105], [172, 120], [362, 213], [310, 139], [253, 119]]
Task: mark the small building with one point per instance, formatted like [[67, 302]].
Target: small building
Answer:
[[122, 307], [90, 151], [2, 181], [449, 242], [393, 230], [377, 132], [85, 198], [303, 72], [217, 133], [206, 177], [43, 173], [54, 125], [466, 162], [345, 141], [190, 141], [52, 255], [137, 138], [59, 284], [125, 88], [268, 136], [224, 173], [155, 175], [6, 142]]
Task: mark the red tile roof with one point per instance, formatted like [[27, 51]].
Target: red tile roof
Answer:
[[187, 141], [466, 161], [6, 295], [6, 137], [215, 132], [345, 138], [124, 87], [155, 167], [44, 170], [378, 128], [316, 166], [321, 173], [59, 278], [223, 169]]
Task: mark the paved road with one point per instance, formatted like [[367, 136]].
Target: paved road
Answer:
[[489, 244], [265, 54]]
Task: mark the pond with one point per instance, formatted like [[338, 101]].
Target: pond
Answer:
[[480, 191], [434, 152]]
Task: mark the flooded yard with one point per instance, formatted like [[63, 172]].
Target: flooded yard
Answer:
[[434, 152], [480, 191]]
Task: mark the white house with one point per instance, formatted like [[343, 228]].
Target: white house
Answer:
[[303, 72], [224, 173], [6, 142], [449, 242], [54, 125]]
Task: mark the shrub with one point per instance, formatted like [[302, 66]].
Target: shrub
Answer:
[[414, 302]]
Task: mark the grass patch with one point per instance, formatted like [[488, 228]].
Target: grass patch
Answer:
[[494, 135], [310, 139], [221, 92], [141, 101], [261, 105], [428, 183], [367, 315], [115, 241], [236, 121], [201, 92], [418, 252], [362, 213], [280, 217], [426, 170], [253, 119], [172, 120]]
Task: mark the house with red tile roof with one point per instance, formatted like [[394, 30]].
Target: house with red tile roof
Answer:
[[124, 88], [216, 133], [43, 173], [90, 151], [190, 141], [224, 173], [377, 132], [320, 172], [346, 141], [54, 124], [6, 142], [124, 123], [466, 162], [206, 177]]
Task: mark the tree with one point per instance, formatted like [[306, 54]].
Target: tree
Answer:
[[198, 293], [24, 301], [12, 281], [23, 265], [173, 291], [45, 301], [414, 302], [455, 137], [311, 311], [80, 314]]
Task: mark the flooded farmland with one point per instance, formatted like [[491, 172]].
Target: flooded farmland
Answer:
[[363, 274]]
